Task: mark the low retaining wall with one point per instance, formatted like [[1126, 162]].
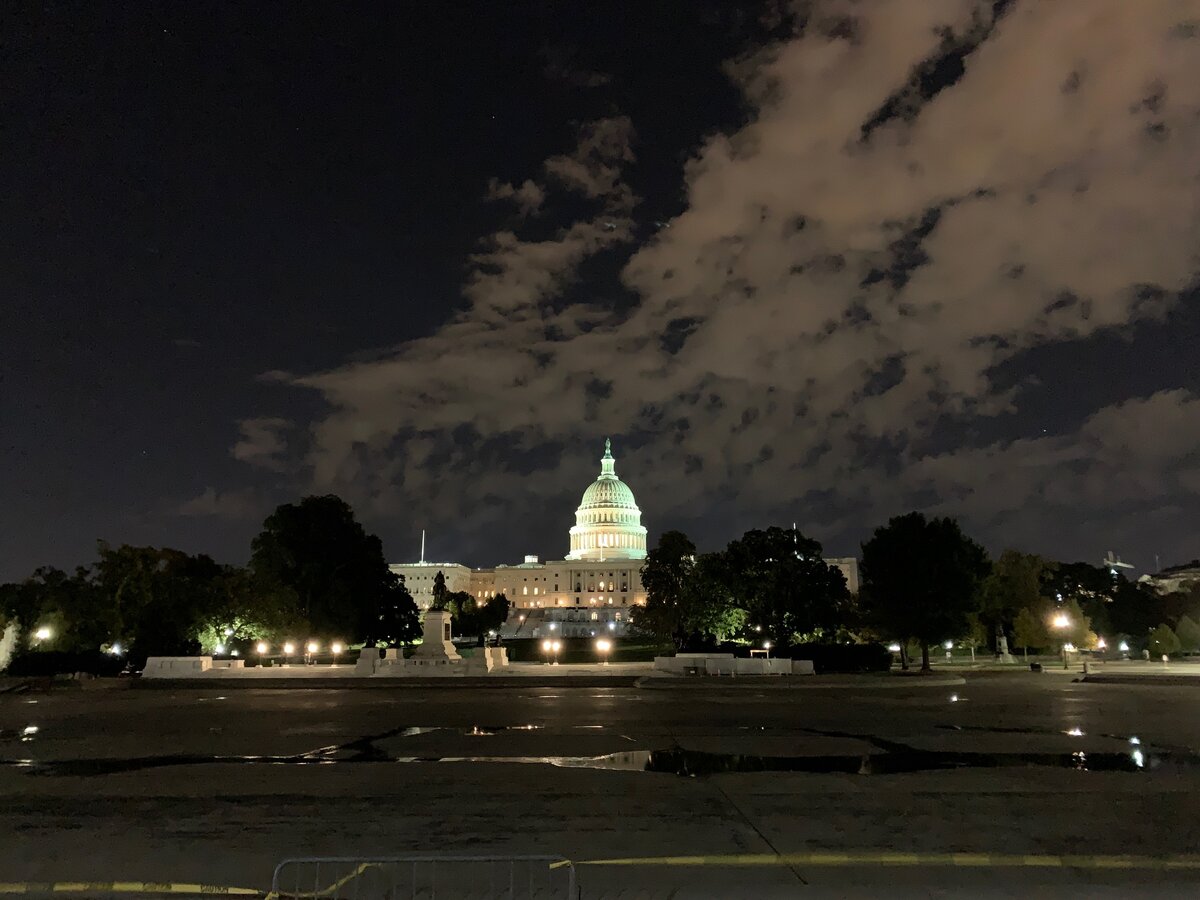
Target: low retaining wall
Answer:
[[728, 664], [176, 666]]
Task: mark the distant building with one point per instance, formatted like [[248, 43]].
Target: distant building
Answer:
[[1174, 578], [594, 591]]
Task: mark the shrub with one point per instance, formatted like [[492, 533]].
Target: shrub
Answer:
[[45, 663], [844, 657]]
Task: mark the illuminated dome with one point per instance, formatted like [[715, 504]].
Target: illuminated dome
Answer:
[[608, 523]]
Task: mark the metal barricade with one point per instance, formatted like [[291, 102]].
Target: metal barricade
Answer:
[[424, 878]]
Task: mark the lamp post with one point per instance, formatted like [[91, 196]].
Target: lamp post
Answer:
[[603, 647], [1062, 622]]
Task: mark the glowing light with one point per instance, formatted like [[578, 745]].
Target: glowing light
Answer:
[[219, 649], [1135, 740], [336, 647], [1138, 759], [766, 645], [603, 645], [43, 633], [1061, 621], [262, 647], [949, 645], [1076, 732], [115, 649], [313, 647], [954, 698], [29, 731], [1069, 647], [557, 646], [612, 626], [233, 653], [894, 648], [1101, 644], [289, 648], [553, 626], [228, 632], [547, 646], [1123, 647]]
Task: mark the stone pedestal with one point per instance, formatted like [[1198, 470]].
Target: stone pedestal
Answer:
[[367, 661], [1002, 648], [436, 646]]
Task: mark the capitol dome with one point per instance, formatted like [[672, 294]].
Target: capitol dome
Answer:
[[608, 523]]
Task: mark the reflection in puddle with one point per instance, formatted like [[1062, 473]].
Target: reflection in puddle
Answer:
[[676, 761]]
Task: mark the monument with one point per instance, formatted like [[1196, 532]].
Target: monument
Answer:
[[436, 648]]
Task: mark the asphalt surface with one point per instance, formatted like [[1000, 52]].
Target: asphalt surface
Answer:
[[770, 792]]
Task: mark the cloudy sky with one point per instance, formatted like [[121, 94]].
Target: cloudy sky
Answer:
[[821, 262]]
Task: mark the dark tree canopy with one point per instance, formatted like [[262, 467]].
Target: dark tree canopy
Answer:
[[780, 579], [921, 579], [337, 571], [674, 608]]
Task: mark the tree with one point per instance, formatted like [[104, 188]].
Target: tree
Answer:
[[920, 579], [672, 611], [1029, 630], [1014, 584], [1188, 633], [779, 578], [337, 571], [1163, 641]]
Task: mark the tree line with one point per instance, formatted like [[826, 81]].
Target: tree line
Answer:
[[313, 572], [923, 581]]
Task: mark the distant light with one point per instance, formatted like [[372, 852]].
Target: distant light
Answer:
[[766, 645], [1101, 644], [603, 645], [557, 646], [1123, 647], [29, 731], [219, 649], [313, 646], [336, 647], [43, 633], [954, 698], [1135, 740], [949, 645], [1061, 621], [553, 625], [1069, 647], [894, 648], [1138, 759], [228, 632], [1076, 732], [612, 626], [758, 628], [547, 646], [233, 653], [262, 647], [289, 648], [115, 649]]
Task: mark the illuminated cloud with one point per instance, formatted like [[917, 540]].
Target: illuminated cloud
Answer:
[[850, 269]]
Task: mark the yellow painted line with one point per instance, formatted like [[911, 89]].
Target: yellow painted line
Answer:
[[891, 859], [125, 887]]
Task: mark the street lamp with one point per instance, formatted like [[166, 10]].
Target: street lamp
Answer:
[[336, 649], [311, 652], [767, 647], [288, 649], [556, 646], [1062, 621], [43, 634], [262, 647], [603, 646]]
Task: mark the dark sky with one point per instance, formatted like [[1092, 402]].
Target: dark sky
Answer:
[[943, 261]]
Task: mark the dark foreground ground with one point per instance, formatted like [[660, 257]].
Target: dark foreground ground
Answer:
[[161, 785]]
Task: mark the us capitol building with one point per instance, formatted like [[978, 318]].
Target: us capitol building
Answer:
[[595, 590]]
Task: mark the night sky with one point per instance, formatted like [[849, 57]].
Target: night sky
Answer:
[[817, 262]]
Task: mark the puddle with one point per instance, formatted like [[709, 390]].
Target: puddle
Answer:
[[24, 735], [676, 761]]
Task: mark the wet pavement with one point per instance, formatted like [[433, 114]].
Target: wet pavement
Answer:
[[211, 786]]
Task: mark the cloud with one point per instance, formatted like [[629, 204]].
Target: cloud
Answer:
[[262, 443], [528, 197], [850, 268], [236, 504], [561, 66]]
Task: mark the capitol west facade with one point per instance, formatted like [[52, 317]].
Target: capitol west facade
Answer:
[[595, 590]]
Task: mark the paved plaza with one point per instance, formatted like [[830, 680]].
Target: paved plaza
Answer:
[[808, 791]]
